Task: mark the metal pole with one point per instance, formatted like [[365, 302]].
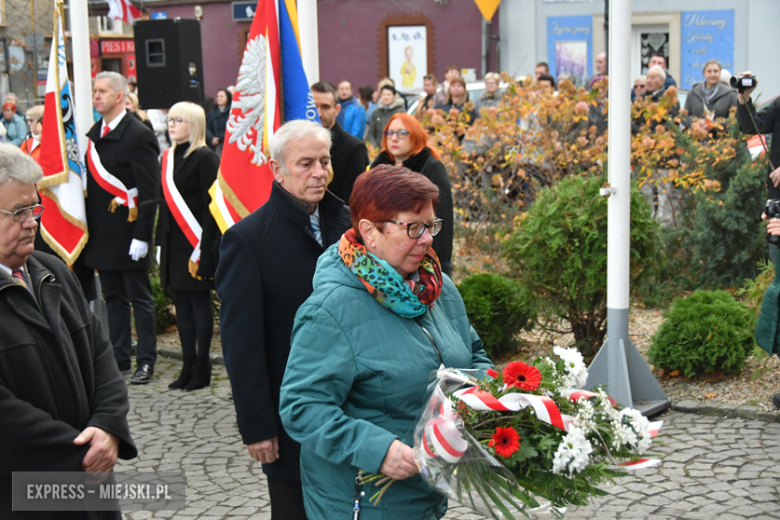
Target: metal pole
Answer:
[[618, 364], [35, 54], [82, 69], [485, 45], [309, 35]]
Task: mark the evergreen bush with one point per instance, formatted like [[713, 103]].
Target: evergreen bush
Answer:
[[706, 332], [498, 309], [162, 302], [559, 251]]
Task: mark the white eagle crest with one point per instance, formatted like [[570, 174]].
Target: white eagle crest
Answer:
[[246, 128]]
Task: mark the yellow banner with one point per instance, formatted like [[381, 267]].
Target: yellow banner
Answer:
[[488, 8]]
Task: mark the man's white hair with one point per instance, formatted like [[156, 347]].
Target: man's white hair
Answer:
[[294, 131], [116, 80], [18, 166], [655, 69]]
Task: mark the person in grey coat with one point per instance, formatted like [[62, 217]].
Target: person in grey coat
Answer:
[[711, 97], [389, 105], [491, 96]]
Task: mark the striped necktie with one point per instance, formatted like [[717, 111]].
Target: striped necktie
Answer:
[[315, 228], [18, 275]]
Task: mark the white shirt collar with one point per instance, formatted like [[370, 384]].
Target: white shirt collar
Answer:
[[113, 124], [6, 269]]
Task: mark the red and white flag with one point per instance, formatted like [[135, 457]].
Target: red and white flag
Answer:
[[64, 223], [123, 10], [245, 177]]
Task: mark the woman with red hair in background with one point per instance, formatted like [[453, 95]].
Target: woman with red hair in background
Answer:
[[405, 144]]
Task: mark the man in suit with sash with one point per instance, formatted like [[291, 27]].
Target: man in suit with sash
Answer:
[[122, 190]]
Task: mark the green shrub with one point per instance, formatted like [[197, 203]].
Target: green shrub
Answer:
[[559, 252], [498, 308], [162, 302], [752, 292], [706, 332]]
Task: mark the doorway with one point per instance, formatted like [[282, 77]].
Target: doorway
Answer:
[[647, 40]]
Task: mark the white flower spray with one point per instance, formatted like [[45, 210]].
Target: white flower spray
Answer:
[[574, 365], [573, 453]]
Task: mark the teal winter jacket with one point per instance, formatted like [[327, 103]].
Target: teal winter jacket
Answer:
[[356, 380], [16, 129]]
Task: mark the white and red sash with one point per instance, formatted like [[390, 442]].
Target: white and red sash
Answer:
[[122, 195], [178, 207]]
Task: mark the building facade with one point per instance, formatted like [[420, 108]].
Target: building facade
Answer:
[[569, 34]]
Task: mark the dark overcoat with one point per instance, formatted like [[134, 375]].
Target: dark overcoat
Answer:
[[193, 176], [267, 262], [349, 158], [768, 121], [58, 376], [130, 153], [433, 169]]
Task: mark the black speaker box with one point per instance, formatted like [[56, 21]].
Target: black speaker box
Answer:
[[169, 58]]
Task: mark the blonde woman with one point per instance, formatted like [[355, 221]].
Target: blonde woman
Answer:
[[189, 239], [132, 106], [32, 146]]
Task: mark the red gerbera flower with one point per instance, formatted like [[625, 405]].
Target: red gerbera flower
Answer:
[[505, 441], [492, 373], [525, 377]]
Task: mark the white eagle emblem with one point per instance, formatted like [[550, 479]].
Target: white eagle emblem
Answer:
[[246, 127]]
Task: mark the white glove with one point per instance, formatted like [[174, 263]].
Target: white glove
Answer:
[[157, 254], [138, 249]]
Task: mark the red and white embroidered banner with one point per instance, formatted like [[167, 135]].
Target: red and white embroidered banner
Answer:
[[107, 181], [178, 207]]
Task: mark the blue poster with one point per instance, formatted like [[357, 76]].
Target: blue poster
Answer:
[[705, 35], [570, 46]]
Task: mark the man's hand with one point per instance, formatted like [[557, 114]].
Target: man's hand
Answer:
[[744, 97], [775, 177], [215, 141], [399, 462], [103, 450], [264, 451], [138, 249]]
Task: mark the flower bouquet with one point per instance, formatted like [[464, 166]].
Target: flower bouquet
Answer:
[[525, 434]]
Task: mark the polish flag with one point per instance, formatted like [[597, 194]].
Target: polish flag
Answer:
[[123, 10]]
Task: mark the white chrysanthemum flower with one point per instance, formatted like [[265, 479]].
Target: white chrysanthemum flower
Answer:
[[576, 371], [584, 418], [637, 432], [573, 453]]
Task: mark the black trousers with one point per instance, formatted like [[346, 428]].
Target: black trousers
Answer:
[[122, 289], [286, 499], [195, 320]]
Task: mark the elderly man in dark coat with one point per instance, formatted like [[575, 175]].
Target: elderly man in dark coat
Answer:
[[122, 190], [348, 154], [267, 262], [63, 401]]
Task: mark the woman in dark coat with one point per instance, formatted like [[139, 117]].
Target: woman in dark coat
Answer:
[[711, 99], [218, 118], [405, 144], [457, 98], [189, 169]]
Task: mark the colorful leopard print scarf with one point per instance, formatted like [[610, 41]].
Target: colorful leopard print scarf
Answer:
[[407, 298]]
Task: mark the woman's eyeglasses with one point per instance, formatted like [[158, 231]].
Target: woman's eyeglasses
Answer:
[[402, 134], [416, 229], [176, 121], [20, 215], [640, 86]]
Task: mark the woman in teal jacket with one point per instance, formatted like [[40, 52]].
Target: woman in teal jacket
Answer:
[[15, 127], [381, 318]]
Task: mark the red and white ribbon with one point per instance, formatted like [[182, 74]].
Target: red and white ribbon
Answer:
[[545, 408], [654, 428], [441, 438], [178, 206], [640, 464], [575, 396], [122, 195]]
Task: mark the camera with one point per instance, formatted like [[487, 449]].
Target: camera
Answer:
[[743, 82], [772, 210]]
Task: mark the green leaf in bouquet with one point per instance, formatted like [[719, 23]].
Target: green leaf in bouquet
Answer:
[[524, 452]]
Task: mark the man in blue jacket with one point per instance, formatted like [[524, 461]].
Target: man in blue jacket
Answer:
[[352, 117]]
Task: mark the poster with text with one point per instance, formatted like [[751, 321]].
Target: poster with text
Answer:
[[705, 35], [570, 47], [407, 48]]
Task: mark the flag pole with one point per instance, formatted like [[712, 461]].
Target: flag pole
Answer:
[[82, 69], [310, 47]]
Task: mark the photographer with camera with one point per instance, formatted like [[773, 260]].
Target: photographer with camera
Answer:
[[764, 121], [768, 324]]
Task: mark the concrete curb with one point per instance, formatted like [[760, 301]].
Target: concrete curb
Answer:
[[686, 406], [725, 410]]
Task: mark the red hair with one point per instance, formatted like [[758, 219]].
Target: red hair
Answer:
[[416, 135], [383, 192]]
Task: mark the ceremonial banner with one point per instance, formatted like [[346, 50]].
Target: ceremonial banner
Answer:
[[271, 76], [123, 11], [64, 223]]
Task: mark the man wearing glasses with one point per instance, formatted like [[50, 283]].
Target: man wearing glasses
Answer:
[[122, 190], [64, 403]]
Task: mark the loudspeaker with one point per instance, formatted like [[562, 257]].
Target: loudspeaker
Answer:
[[169, 58]]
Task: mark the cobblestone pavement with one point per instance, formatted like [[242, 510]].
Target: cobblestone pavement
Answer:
[[714, 468]]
